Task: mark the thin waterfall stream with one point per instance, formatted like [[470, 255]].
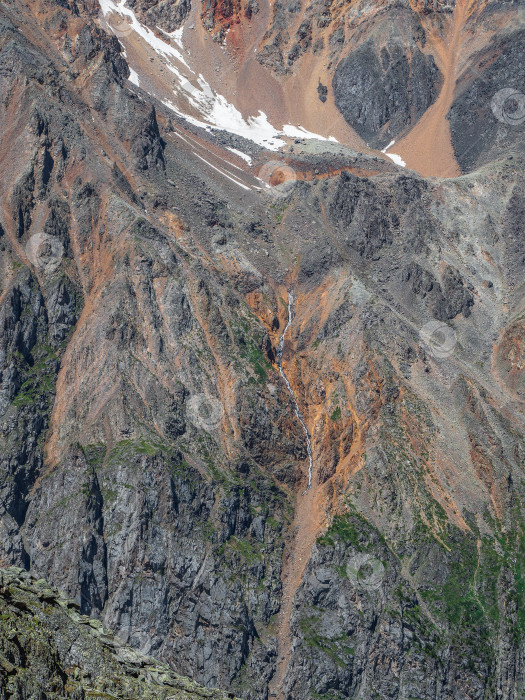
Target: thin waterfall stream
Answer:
[[280, 348]]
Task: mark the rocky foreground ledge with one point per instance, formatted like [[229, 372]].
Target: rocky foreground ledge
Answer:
[[47, 649]]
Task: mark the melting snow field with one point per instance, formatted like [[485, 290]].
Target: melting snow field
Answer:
[[131, 23], [215, 110], [241, 155], [393, 156], [301, 133], [133, 77]]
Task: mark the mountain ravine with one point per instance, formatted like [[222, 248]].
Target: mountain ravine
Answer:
[[262, 349]]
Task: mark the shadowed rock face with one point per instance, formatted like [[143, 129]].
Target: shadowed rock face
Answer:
[[383, 91], [169, 15], [487, 117], [151, 462]]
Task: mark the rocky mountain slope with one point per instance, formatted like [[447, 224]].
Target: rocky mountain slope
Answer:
[[153, 465], [48, 648]]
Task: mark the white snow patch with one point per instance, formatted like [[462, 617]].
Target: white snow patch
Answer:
[[221, 114], [179, 75], [385, 149], [241, 155], [301, 132], [393, 156], [161, 47], [222, 172], [134, 77], [397, 159], [214, 109], [218, 113], [176, 35], [182, 137]]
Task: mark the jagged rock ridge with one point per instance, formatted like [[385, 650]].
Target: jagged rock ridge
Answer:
[[48, 647]]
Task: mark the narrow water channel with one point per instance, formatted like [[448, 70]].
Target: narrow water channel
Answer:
[[280, 348]]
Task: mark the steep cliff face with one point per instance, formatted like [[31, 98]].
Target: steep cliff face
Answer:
[[166, 15], [153, 461], [48, 648]]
